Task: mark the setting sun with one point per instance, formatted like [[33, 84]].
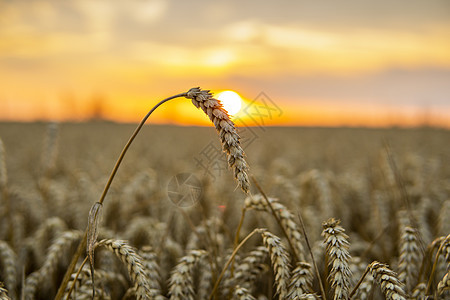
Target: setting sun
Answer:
[[231, 101]]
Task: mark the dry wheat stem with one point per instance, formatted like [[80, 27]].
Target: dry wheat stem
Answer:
[[425, 265], [359, 283], [316, 269], [236, 237], [83, 243], [92, 234], [128, 144], [80, 269], [233, 254]]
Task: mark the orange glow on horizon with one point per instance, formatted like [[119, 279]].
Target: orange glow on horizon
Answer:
[[69, 62], [182, 112]]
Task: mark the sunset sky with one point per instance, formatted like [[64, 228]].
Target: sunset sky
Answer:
[[326, 63]]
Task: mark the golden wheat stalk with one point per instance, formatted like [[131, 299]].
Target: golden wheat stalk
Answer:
[[205, 279], [444, 284], [248, 269], [337, 250], [280, 262], [283, 214], [134, 264], [227, 132], [8, 261], [391, 286], [409, 258], [301, 281], [54, 255], [181, 285], [419, 291], [150, 263], [84, 285], [3, 293]]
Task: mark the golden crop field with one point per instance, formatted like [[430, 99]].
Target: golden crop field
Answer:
[[375, 204]]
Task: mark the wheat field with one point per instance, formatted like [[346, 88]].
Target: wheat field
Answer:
[[371, 206]]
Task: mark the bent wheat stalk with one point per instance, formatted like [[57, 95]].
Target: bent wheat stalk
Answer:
[[230, 141], [228, 136]]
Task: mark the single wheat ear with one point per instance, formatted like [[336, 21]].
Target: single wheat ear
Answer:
[[388, 280], [227, 132], [337, 245], [3, 292], [8, 261], [444, 284], [134, 264], [280, 262], [181, 282]]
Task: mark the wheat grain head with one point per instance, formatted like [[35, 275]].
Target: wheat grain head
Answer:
[[391, 286], [227, 132], [134, 264], [337, 245]]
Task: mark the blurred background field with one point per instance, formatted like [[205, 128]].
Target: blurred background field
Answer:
[[370, 179], [94, 147]]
